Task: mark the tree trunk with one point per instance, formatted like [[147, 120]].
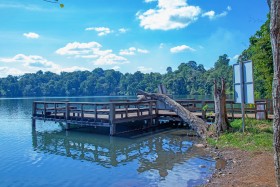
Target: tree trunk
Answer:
[[221, 118], [275, 42], [195, 122]]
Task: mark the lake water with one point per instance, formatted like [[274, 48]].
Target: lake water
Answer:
[[50, 156]]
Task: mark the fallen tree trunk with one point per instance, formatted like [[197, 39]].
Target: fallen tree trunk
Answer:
[[195, 122]]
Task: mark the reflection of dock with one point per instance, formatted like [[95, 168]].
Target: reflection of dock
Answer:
[[109, 114], [160, 152]]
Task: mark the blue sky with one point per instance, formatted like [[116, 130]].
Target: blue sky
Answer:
[[125, 35]]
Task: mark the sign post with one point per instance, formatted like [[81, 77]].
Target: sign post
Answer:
[[243, 86], [242, 95]]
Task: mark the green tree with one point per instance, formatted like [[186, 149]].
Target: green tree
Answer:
[[260, 53]]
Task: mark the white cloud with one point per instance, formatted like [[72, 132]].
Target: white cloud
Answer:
[[129, 52], [235, 57], [116, 68], [144, 69], [92, 50], [74, 68], [110, 59], [77, 48], [175, 14], [212, 14], [31, 35], [5, 71], [123, 30], [132, 51], [102, 31], [144, 51], [32, 64], [31, 61], [181, 48]]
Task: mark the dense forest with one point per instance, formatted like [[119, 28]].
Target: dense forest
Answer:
[[189, 78]]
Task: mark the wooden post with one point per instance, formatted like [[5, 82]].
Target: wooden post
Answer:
[[67, 115], [112, 119], [266, 112], [156, 108], [242, 94], [45, 110], [150, 108], [95, 112], [156, 121], [126, 110], [137, 110], [55, 110], [256, 108], [34, 137], [34, 112], [203, 115], [232, 111], [82, 111]]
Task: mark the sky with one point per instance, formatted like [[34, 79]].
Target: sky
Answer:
[[124, 35]]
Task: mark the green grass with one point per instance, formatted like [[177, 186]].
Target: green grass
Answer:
[[258, 136]]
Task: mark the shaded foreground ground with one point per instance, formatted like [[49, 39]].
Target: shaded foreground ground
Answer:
[[244, 168]]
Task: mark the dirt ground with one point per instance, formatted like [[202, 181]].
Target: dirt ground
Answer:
[[244, 169]]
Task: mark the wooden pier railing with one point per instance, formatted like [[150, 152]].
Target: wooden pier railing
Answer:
[[206, 108], [108, 114]]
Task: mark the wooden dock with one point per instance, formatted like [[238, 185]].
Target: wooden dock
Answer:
[[109, 114]]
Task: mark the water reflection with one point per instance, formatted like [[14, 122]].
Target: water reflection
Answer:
[[159, 151]]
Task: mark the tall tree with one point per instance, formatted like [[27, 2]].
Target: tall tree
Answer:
[[275, 43], [274, 6]]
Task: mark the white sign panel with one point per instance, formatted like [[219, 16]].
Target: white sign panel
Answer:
[[236, 73], [247, 72], [249, 93], [237, 93]]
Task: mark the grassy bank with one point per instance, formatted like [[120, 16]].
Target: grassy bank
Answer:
[[258, 136]]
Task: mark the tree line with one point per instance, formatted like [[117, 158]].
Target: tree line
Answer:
[[189, 78]]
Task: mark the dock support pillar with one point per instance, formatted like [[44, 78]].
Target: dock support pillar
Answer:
[[112, 129], [67, 114], [34, 107], [112, 119], [67, 127], [156, 123], [34, 137], [33, 122]]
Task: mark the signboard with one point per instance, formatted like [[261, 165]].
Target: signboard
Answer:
[[243, 78]]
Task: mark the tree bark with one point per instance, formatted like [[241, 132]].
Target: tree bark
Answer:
[[195, 122], [275, 42], [221, 118]]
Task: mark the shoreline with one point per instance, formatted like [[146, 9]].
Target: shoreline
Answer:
[[243, 168]]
